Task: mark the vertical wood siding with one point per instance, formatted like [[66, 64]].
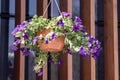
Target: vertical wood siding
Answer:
[[111, 40], [88, 17], [19, 61]]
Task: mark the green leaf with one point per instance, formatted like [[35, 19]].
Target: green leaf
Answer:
[[18, 34]]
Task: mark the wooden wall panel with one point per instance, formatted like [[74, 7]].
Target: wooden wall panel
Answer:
[[19, 60], [65, 72], [41, 6], [88, 17], [111, 40]]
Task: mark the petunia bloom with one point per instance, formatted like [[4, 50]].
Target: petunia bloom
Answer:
[[35, 40], [25, 52], [20, 27], [25, 36], [82, 51], [17, 41], [40, 72], [95, 55], [91, 39], [77, 19], [59, 63], [53, 36], [83, 31], [69, 51], [94, 46], [50, 61], [46, 41], [14, 48], [76, 27], [89, 45], [60, 23], [65, 14], [15, 31]]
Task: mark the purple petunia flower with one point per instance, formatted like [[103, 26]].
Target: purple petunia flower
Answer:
[[69, 51], [65, 14], [17, 41], [46, 41], [53, 36], [96, 52], [95, 48], [40, 72], [77, 19], [25, 52], [82, 51], [89, 45], [14, 31], [20, 27], [83, 31], [95, 55], [25, 36], [76, 27], [91, 39], [50, 61], [14, 48], [60, 23], [59, 63], [98, 43], [35, 40]]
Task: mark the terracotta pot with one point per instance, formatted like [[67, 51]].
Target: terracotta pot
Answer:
[[53, 46]]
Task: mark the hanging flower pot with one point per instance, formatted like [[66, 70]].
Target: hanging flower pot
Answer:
[[55, 45], [57, 35]]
